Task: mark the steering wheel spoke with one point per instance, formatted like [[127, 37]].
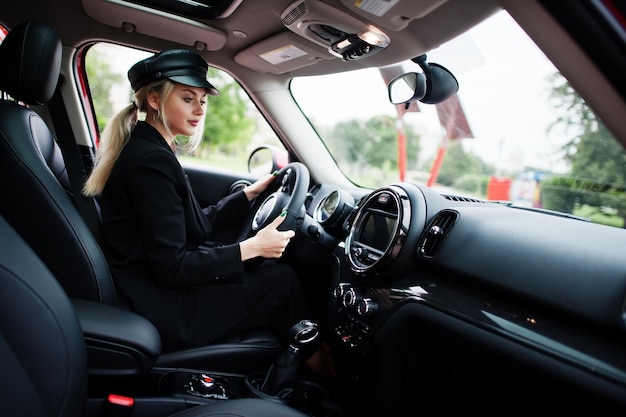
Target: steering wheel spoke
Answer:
[[287, 192]]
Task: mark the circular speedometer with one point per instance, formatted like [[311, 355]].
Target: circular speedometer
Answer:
[[332, 211]]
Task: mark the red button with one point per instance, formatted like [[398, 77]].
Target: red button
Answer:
[[121, 400]]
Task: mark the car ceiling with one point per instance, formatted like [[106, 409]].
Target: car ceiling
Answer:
[[422, 24], [427, 25]]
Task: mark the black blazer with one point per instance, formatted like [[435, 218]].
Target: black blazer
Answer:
[[153, 229]]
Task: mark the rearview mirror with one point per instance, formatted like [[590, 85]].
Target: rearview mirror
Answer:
[[435, 85], [407, 88], [440, 85]]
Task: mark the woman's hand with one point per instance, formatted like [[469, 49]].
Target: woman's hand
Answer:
[[252, 191], [268, 242]]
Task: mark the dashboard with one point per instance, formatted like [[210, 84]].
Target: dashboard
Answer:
[[550, 285]]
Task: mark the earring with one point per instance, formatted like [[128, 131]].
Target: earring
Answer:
[[156, 116]]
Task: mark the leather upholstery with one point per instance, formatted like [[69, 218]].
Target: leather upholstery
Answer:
[[42, 351], [40, 337], [37, 207], [37, 202], [31, 75]]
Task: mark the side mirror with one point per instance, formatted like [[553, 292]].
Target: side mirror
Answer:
[[267, 159], [435, 85]]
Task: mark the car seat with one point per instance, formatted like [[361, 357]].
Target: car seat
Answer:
[[42, 350], [37, 201]]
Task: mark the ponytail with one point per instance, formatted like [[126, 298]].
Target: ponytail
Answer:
[[114, 137]]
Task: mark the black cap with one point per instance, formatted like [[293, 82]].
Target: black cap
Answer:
[[179, 65]]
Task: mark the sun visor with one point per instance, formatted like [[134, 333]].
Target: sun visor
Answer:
[[281, 53], [136, 18]]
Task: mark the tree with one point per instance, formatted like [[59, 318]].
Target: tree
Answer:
[[229, 124], [458, 163], [371, 143], [102, 78], [598, 161], [369, 149]]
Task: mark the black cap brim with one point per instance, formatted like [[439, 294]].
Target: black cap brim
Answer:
[[195, 82]]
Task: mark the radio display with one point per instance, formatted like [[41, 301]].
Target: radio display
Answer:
[[377, 230]]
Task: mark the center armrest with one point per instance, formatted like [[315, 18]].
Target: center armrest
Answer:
[[119, 342]]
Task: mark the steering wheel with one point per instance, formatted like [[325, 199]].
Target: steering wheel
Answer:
[[287, 192]]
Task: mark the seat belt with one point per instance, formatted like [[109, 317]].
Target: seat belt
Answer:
[[73, 161]]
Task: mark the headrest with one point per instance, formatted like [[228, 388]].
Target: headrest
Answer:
[[31, 62]]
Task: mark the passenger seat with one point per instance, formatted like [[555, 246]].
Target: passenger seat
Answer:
[[42, 350], [35, 200]]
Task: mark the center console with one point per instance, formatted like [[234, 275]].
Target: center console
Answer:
[[126, 379]]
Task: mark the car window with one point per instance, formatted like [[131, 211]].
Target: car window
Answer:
[[233, 126], [515, 130]]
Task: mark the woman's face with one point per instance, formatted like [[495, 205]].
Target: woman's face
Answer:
[[184, 109]]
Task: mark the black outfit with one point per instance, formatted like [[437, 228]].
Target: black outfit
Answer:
[[153, 228]]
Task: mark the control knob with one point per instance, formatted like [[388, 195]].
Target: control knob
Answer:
[[350, 298], [340, 290], [367, 307]]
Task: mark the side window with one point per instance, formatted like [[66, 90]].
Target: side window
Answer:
[[233, 126]]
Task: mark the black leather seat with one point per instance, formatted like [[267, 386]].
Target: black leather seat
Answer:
[[42, 350], [37, 200]]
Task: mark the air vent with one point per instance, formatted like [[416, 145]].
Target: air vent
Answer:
[[436, 232], [296, 11], [238, 186], [462, 199]]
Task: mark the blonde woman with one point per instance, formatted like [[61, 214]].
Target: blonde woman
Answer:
[[153, 227]]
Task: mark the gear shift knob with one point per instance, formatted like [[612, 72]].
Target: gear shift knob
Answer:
[[304, 336], [280, 380]]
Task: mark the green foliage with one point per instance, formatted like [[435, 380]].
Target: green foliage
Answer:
[[606, 203], [599, 215], [229, 124], [559, 194], [458, 163], [474, 184], [592, 152], [101, 80], [370, 148]]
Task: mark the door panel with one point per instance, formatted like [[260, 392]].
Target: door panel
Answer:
[[212, 184]]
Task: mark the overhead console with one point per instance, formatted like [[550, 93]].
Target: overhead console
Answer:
[[317, 31], [345, 36]]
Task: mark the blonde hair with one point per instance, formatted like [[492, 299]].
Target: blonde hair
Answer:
[[117, 133]]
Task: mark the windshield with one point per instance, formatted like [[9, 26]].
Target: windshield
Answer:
[[515, 131]]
